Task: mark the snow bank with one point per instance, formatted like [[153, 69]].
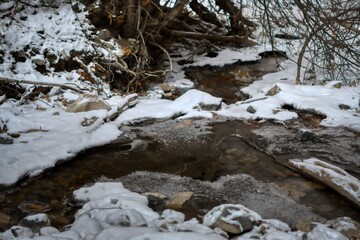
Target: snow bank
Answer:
[[43, 136]]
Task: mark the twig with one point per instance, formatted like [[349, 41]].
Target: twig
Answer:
[[2, 79]]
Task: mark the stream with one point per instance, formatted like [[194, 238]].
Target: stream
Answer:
[[200, 149]]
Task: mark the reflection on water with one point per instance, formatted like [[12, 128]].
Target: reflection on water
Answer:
[[223, 153]]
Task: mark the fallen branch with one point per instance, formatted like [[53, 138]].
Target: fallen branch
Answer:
[[243, 41], [2, 79], [330, 175]]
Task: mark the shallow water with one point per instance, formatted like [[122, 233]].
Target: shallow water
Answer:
[[226, 81]]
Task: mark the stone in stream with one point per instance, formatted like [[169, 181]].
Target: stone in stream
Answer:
[[232, 218], [304, 135], [179, 200], [35, 222], [126, 218], [347, 226], [33, 207], [251, 109], [6, 140]]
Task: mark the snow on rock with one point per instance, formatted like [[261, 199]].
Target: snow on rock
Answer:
[[323, 232], [112, 212], [178, 236], [333, 176], [190, 104], [232, 218], [326, 100]]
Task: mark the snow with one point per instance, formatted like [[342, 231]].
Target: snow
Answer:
[[106, 201], [337, 176]]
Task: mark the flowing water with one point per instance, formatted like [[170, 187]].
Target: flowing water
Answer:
[[223, 151]]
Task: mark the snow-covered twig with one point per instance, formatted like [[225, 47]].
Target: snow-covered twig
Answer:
[[3, 79]]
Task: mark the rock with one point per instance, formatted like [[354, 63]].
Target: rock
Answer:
[[47, 231], [304, 135], [4, 220], [126, 218], [273, 91], [86, 226], [21, 232], [322, 232], [88, 121], [38, 60], [35, 222], [33, 207], [304, 224], [179, 200], [104, 34], [6, 140], [232, 218], [173, 215], [250, 109], [330, 175], [167, 88], [344, 107], [87, 102], [155, 199], [337, 85], [348, 227], [123, 233]]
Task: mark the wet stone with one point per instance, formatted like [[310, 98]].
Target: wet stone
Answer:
[[4, 219], [304, 135], [35, 222], [33, 207]]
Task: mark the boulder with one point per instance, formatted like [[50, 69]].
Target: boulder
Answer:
[[232, 218], [87, 102]]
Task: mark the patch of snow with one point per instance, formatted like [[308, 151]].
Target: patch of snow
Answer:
[[228, 56], [47, 136]]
